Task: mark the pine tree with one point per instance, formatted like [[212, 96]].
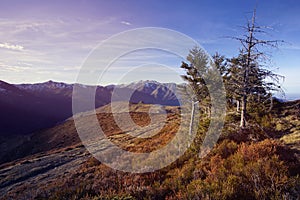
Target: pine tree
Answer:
[[248, 76], [197, 67]]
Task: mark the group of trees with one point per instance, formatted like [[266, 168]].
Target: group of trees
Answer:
[[246, 77]]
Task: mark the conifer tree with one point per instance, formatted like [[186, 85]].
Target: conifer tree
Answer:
[[250, 80]]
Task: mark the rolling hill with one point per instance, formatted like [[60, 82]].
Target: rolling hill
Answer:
[[46, 155]]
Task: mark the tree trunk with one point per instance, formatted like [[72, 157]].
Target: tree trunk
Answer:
[[271, 104], [246, 74], [192, 117], [244, 112]]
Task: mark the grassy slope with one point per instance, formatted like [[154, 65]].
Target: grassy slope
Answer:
[[289, 122], [236, 168]]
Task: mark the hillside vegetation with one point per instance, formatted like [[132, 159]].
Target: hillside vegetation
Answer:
[[260, 162]]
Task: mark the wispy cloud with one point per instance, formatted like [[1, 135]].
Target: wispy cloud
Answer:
[[126, 23], [291, 47], [11, 46], [13, 68]]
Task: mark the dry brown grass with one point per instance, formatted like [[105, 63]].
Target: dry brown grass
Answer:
[[130, 143]]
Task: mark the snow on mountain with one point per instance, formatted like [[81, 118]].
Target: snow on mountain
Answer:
[[29, 107], [46, 85]]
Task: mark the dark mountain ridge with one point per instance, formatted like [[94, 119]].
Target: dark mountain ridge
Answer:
[[26, 108]]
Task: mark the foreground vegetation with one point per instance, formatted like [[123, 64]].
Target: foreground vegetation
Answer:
[[252, 163]]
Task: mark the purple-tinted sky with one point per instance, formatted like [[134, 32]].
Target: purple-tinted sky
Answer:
[[42, 40]]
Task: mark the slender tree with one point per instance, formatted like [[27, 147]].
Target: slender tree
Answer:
[[198, 65], [248, 74]]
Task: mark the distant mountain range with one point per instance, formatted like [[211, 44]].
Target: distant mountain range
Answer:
[[26, 108]]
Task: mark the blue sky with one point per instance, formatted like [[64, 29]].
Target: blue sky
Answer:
[[42, 40]]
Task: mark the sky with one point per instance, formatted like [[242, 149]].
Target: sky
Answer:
[[43, 40]]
